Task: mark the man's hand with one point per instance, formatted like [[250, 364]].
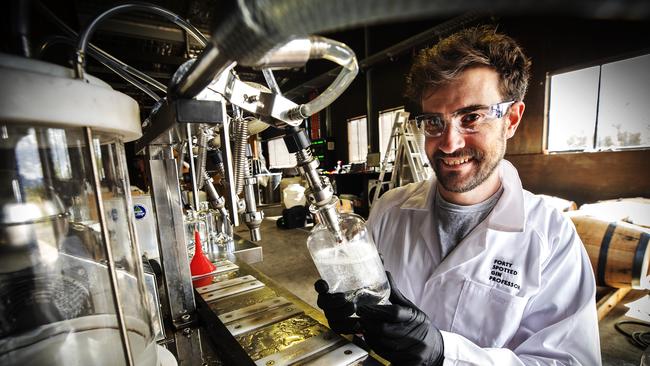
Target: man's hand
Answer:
[[337, 309], [401, 333]]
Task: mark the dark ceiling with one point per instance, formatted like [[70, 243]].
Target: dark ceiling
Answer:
[[157, 47]]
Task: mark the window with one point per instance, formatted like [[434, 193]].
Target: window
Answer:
[[600, 107], [279, 156], [386, 120], [357, 140]]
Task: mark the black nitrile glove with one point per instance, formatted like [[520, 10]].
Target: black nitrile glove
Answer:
[[401, 333], [337, 309]]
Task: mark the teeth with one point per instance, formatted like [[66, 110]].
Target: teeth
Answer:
[[453, 162]]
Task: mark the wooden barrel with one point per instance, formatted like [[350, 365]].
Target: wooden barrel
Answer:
[[618, 251]]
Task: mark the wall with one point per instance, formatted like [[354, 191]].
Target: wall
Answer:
[[582, 177], [586, 177], [553, 44]]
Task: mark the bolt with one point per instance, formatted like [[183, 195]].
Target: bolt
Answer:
[[187, 331], [347, 352], [185, 317], [270, 363]]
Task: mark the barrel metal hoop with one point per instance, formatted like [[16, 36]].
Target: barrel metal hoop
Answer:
[[639, 256], [604, 248]]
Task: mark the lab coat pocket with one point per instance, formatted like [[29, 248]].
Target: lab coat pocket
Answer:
[[486, 315]]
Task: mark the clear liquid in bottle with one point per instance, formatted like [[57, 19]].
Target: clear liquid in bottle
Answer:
[[351, 266]]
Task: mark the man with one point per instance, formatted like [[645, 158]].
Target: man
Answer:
[[494, 275]]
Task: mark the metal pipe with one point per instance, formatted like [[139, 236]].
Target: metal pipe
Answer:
[[101, 58], [373, 128], [126, 68], [126, 346], [252, 217], [202, 155], [172, 243], [133, 82], [342, 55], [195, 190], [292, 54], [181, 158], [227, 158], [79, 60], [271, 82], [132, 230], [217, 202], [321, 194]]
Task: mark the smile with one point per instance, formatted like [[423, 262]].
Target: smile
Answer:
[[455, 161]]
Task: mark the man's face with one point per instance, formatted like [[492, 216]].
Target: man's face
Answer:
[[463, 162]]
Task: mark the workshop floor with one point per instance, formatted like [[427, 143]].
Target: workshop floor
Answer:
[[286, 258]]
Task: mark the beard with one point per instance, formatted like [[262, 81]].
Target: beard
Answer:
[[483, 165]]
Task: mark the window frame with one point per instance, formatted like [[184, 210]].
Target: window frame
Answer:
[[347, 125], [399, 108], [580, 66]]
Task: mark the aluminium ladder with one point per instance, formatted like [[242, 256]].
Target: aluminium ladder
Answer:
[[409, 155]]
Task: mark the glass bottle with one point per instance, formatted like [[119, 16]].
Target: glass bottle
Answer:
[[208, 216], [351, 266], [193, 222]]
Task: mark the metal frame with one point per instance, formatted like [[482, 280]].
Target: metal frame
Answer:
[[126, 346], [229, 179], [167, 204]]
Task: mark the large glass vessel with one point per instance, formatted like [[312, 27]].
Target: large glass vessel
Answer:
[[351, 266], [71, 278]]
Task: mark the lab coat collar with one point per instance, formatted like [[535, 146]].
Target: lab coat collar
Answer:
[[422, 197], [508, 214]]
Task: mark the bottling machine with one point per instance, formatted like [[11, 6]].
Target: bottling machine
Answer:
[[91, 274]]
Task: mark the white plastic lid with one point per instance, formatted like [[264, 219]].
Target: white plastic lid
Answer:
[[40, 93]]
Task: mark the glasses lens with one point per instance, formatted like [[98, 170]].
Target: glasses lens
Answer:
[[433, 124], [469, 121]]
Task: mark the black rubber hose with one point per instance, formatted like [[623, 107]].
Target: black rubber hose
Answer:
[[87, 33]]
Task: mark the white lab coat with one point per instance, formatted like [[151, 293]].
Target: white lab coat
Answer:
[[518, 290]]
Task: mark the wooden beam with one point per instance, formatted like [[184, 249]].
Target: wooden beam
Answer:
[[609, 301]]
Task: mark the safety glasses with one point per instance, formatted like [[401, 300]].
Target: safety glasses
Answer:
[[467, 120]]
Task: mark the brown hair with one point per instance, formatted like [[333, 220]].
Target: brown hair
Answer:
[[480, 46]]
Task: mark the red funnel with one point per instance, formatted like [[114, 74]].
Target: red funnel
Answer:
[[200, 264]]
